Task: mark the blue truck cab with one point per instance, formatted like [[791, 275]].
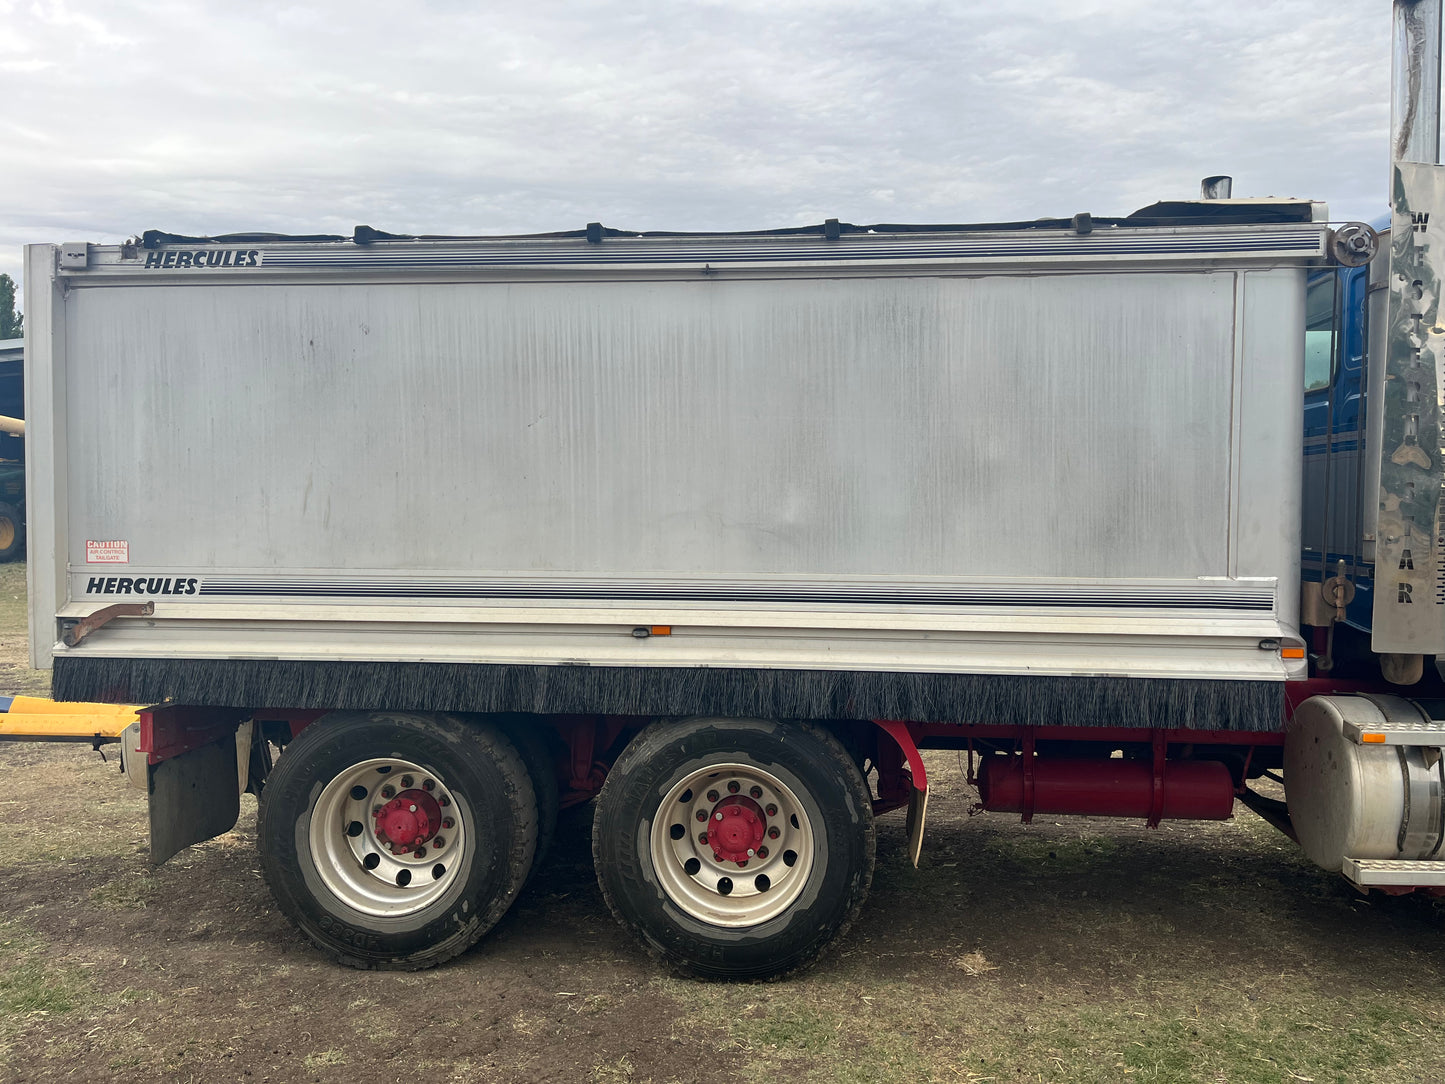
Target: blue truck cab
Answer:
[[1342, 304]]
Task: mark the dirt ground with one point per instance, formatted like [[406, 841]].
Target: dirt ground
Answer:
[[1066, 950]]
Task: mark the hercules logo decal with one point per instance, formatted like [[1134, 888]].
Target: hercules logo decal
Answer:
[[141, 585], [221, 257]]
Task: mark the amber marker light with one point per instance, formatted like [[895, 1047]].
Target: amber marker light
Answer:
[[1373, 739], [661, 630], [1292, 652]]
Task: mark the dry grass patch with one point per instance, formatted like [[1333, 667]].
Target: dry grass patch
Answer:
[[132, 891], [323, 1058], [64, 803], [15, 673], [620, 1071]]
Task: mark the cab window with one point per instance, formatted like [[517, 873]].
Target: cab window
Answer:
[[1319, 332]]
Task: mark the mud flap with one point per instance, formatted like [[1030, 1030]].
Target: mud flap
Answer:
[[917, 811], [193, 797]]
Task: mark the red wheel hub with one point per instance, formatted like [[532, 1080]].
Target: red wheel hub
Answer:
[[408, 820], [735, 829]]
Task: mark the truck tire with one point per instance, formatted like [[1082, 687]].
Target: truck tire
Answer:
[[12, 532], [396, 840], [734, 848], [541, 761]]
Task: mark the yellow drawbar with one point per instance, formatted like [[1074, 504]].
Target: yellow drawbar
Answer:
[[35, 718]]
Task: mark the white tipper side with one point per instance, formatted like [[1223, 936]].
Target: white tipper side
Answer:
[[1025, 453]]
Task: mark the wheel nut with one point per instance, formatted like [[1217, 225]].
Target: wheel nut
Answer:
[[756, 792], [447, 822], [702, 838], [388, 791], [411, 809], [712, 796], [772, 810], [702, 814], [427, 784], [762, 852], [406, 782], [733, 786], [773, 833]]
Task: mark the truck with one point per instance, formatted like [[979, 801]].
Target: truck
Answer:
[[422, 539], [12, 449]]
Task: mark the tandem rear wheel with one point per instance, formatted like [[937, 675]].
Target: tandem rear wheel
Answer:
[[734, 848], [397, 840]]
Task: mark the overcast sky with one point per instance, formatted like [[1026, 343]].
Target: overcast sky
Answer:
[[459, 116]]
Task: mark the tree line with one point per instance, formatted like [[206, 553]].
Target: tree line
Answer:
[[12, 323]]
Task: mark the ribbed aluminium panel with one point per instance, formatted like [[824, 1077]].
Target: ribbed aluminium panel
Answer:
[[1050, 426]]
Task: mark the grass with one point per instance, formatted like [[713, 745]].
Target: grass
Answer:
[[323, 1058], [15, 673], [620, 1071], [809, 1031], [1187, 1031], [63, 803], [129, 892], [1314, 1037], [30, 985]]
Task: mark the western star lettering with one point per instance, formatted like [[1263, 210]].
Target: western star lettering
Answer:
[[202, 257], [141, 585]]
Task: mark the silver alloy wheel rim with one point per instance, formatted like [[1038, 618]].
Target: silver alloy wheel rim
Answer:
[[358, 867], [694, 878]]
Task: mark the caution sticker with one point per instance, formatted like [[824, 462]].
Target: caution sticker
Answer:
[[113, 552]]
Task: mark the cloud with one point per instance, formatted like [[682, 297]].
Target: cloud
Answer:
[[730, 114]]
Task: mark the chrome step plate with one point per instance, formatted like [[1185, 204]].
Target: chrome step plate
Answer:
[[1393, 871], [1432, 733]]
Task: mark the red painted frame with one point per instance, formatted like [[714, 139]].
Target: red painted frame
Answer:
[[170, 730]]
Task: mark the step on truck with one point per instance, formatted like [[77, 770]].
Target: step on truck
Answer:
[[420, 539]]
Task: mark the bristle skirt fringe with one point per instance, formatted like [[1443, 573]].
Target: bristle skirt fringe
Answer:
[[674, 691]]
